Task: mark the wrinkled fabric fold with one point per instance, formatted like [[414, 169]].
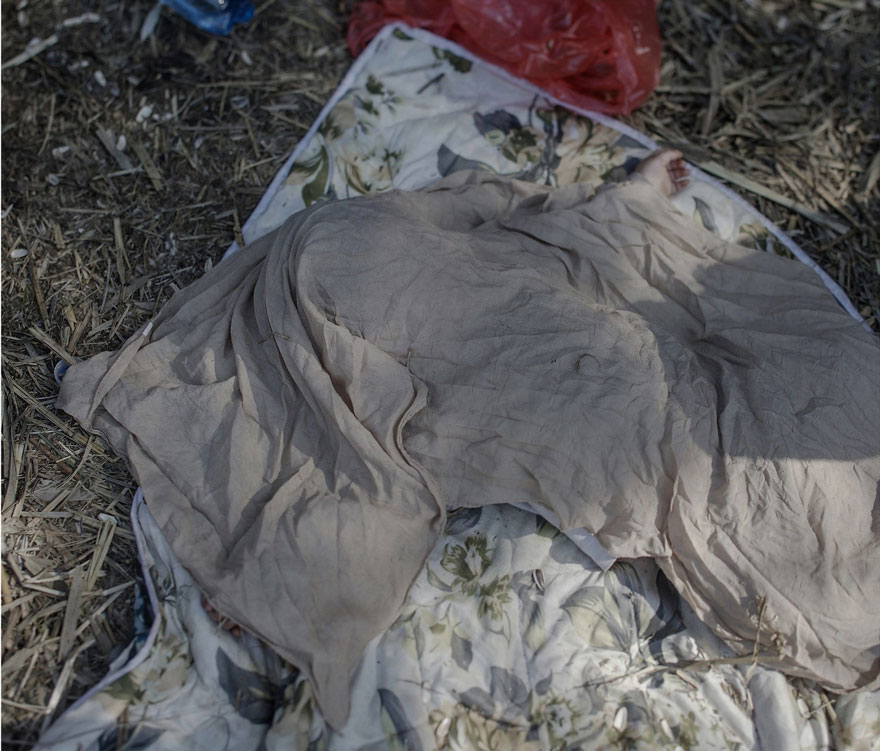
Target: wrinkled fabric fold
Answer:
[[300, 417]]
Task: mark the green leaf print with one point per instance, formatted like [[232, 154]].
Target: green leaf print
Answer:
[[459, 64], [494, 596], [330, 129], [518, 142], [374, 85], [317, 186], [545, 528], [367, 106], [686, 732], [125, 689], [467, 562]]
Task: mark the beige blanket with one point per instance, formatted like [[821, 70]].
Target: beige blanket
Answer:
[[300, 417]]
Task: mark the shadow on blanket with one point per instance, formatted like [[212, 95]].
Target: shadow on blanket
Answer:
[[300, 417]]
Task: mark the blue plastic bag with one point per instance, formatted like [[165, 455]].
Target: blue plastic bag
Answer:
[[215, 16]]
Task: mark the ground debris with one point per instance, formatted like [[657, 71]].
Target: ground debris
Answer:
[[118, 156]]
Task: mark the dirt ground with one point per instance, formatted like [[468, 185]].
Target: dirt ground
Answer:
[[129, 166]]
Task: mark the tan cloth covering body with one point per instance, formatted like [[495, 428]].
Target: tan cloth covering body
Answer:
[[300, 417]]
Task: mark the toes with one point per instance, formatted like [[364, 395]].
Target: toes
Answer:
[[221, 620], [667, 156], [678, 172], [666, 170]]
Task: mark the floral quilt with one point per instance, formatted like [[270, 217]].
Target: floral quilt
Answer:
[[417, 112], [512, 637]]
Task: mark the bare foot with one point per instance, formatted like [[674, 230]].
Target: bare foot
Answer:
[[666, 170], [220, 619]]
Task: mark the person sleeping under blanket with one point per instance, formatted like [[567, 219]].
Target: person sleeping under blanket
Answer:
[[301, 416]]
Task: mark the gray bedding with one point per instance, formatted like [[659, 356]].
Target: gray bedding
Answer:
[[300, 417]]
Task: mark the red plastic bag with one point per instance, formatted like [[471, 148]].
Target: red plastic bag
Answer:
[[602, 55]]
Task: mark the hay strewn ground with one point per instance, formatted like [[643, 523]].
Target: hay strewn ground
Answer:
[[129, 166]]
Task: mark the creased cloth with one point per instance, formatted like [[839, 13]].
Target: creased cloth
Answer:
[[300, 417]]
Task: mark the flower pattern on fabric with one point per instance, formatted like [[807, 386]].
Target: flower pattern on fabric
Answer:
[[467, 562], [447, 675], [422, 112]]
